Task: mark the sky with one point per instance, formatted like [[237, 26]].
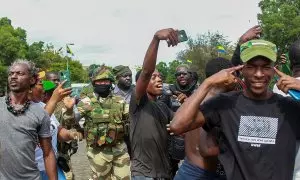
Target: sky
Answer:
[[118, 32]]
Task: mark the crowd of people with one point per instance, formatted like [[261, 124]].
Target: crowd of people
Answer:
[[231, 126]]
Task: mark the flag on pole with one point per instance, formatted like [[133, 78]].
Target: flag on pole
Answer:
[[69, 50], [221, 49]]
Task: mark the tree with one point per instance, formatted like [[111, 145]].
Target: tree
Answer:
[[168, 70], [3, 78], [13, 43], [35, 52], [162, 67], [171, 71], [77, 73], [280, 20], [204, 48]]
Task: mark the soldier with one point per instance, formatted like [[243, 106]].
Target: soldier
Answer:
[[89, 88], [124, 88], [104, 115]]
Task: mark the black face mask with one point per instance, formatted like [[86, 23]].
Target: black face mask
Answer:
[[102, 90]]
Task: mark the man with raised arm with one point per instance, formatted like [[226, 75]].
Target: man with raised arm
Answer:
[[149, 117]]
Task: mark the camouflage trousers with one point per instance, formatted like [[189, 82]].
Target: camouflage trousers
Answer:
[[109, 162]]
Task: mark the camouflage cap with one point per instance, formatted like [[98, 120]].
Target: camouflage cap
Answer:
[[103, 73]]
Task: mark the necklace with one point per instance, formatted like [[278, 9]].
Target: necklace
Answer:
[[18, 109]]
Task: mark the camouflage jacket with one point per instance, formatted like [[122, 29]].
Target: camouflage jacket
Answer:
[[64, 117], [104, 118], [86, 91], [66, 120]]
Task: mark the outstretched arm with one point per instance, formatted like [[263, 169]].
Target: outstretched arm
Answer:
[[150, 58]]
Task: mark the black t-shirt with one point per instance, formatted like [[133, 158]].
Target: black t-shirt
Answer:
[[149, 137], [257, 138]]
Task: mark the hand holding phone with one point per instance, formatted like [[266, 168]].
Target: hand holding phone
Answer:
[[295, 94], [65, 76]]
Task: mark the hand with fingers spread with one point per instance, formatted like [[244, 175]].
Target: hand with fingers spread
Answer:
[[59, 93], [286, 82], [170, 35], [225, 77], [252, 33]]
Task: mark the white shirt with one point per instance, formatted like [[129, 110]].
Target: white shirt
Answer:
[[53, 131]]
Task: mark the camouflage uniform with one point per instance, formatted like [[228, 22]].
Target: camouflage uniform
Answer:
[[104, 132], [65, 149], [86, 90]]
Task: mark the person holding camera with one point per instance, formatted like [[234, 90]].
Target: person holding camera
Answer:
[[65, 114], [149, 117], [58, 133]]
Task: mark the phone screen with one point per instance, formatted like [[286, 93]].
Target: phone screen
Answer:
[[65, 76], [182, 36]]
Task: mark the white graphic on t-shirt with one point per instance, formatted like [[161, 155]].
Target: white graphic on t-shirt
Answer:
[[257, 129]]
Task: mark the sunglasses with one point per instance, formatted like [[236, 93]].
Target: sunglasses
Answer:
[[180, 73]]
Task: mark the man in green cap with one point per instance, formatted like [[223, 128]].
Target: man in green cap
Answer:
[[124, 85], [257, 128], [105, 115]]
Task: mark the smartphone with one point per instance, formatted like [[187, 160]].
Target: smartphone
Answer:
[[182, 36], [295, 94], [65, 76]]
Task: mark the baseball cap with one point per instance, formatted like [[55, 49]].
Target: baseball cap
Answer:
[[258, 47], [48, 85]]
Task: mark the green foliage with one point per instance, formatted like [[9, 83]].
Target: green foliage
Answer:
[[13, 45], [168, 70], [280, 20], [171, 71], [3, 78], [163, 68], [78, 74], [204, 48]]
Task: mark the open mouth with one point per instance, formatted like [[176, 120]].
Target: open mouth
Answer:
[[159, 86]]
